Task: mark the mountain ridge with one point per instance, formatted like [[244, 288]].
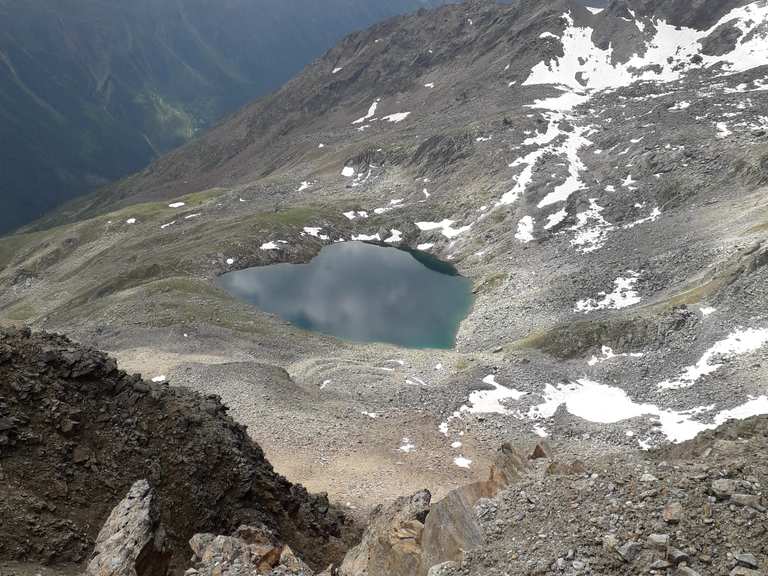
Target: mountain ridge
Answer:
[[601, 178]]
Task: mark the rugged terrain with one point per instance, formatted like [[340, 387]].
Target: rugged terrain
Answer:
[[600, 175], [76, 433]]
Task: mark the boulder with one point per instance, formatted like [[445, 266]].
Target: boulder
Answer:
[[541, 450], [391, 545], [132, 541]]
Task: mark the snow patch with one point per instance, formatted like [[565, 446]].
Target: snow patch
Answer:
[[623, 295], [396, 118], [445, 226], [741, 341]]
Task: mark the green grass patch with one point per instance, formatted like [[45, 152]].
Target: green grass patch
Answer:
[[490, 283], [22, 312]]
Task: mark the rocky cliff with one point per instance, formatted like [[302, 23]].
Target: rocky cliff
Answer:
[[76, 433]]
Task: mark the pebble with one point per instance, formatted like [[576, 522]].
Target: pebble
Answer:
[[672, 513]]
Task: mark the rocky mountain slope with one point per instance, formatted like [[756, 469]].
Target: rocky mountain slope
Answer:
[[92, 91], [76, 433], [600, 175]]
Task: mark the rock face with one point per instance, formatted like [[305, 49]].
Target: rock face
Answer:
[[411, 536], [76, 433], [392, 543], [132, 541]]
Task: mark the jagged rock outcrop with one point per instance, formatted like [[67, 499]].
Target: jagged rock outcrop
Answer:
[[76, 433], [132, 541], [411, 536], [392, 542]]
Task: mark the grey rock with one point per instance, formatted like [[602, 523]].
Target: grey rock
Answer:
[[747, 559], [723, 488], [676, 556], [658, 541], [132, 542], [629, 551]]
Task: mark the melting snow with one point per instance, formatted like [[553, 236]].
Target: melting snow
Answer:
[[131, 221], [555, 219], [351, 215], [655, 214], [425, 247], [490, 401], [348, 172], [584, 66], [270, 246], [367, 237], [446, 228], [337, 70], [158, 379], [741, 341], [370, 114], [722, 130], [591, 238], [304, 185], [525, 229], [394, 237], [407, 446], [682, 105], [177, 205], [603, 404], [396, 118], [608, 355], [622, 296], [230, 261], [462, 462]]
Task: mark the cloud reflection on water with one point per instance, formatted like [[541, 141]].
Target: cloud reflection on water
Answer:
[[362, 292]]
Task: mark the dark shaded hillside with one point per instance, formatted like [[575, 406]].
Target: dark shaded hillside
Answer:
[[91, 91], [76, 432]]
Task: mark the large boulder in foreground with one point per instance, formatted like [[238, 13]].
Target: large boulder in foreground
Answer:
[[132, 542]]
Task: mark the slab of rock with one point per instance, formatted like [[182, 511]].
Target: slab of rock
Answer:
[[676, 556], [672, 512], [658, 541], [132, 542], [746, 559], [749, 500]]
